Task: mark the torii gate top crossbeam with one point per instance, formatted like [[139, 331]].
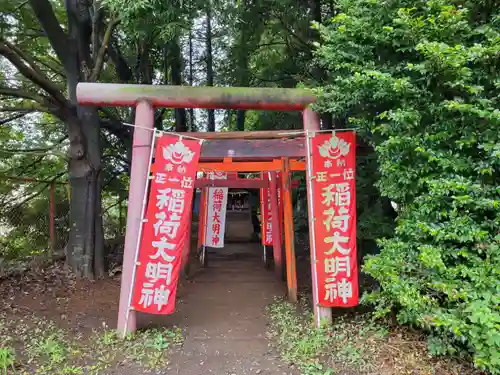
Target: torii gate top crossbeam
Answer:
[[113, 94]]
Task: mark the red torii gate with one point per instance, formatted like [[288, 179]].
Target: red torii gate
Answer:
[[271, 183], [229, 151]]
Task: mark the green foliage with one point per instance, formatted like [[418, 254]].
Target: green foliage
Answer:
[[420, 80], [34, 148], [7, 359], [149, 18], [26, 220], [50, 348]]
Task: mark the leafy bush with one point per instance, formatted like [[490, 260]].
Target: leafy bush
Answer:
[[420, 80]]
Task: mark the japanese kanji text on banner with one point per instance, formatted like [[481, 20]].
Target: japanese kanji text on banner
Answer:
[[334, 191], [216, 213], [166, 229], [267, 213], [266, 217]]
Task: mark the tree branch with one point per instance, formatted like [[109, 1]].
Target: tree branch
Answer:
[[271, 44], [56, 35], [25, 109], [113, 205], [279, 79], [99, 61], [39, 149], [52, 69], [12, 118], [26, 167], [123, 70], [25, 57], [117, 157], [96, 16], [18, 93], [293, 34], [36, 194], [31, 74], [115, 126]]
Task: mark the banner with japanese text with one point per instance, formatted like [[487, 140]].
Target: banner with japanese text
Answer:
[[266, 211], [216, 212], [165, 230], [266, 216], [280, 202], [334, 190]]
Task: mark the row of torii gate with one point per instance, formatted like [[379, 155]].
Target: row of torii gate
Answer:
[[270, 179], [262, 151]]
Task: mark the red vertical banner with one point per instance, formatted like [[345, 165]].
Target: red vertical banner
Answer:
[[333, 186], [166, 228], [280, 202], [266, 215], [266, 211], [216, 216]]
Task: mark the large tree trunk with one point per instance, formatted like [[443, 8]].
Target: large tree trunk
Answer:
[[327, 121], [85, 250], [210, 68], [240, 120], [80, 49], [242, 60]]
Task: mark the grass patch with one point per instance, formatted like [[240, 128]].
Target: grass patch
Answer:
[[7, 359], [37, 346], [353, 346]]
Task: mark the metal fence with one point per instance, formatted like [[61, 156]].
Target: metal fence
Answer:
[[34, 217]]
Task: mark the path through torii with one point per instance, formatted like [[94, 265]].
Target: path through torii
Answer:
[[269, 151]]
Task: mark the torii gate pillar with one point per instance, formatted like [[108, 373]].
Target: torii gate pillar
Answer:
[[141, 151], [322, 315]]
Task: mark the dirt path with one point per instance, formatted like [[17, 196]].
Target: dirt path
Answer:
[[222, 311]]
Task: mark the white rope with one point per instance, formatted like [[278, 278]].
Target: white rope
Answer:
[[289, 133], [161, 132], [138, 126], [201, 140]]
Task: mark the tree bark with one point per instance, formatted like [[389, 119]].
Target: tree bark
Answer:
[[242, 60], [85, 249], [316, 10], [240, 120], [176, 66], [327, 121], [85, 252], [210, 69], [191, 126]]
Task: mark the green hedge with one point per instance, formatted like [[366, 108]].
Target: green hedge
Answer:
[[421, 82]]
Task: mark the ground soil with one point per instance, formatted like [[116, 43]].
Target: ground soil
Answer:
[[221, 311]]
